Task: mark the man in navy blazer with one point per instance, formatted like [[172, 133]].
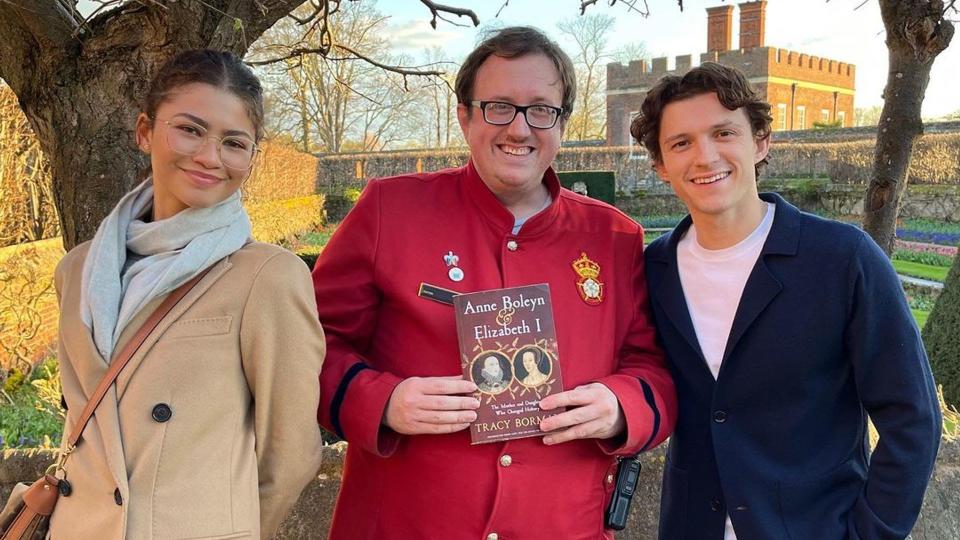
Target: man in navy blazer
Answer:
[[784, 331]]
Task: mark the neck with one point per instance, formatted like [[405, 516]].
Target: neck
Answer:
[[525, 203], [720, 231]]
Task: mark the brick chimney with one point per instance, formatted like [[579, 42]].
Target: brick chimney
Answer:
[[753, 21], [719, 28]]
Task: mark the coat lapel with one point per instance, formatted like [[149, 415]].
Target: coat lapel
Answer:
[[763, 286], [669, 293], [90, 367], [124, 379]]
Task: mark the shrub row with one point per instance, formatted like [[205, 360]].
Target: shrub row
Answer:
[[280, 222], [281, 172]]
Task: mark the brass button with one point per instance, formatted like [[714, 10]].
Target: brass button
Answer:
[[609, 478], [512, 245], [506, 460], [492, 536]]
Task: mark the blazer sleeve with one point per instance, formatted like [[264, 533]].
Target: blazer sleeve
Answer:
[[354, 394], [282, 350], [896, 388], [642, 381]]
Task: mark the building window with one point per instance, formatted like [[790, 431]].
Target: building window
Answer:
[[824, 115], [781, 116], [801, 118], [842, 118]]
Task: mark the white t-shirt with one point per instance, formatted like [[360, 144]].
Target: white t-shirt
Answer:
[[713, 282]]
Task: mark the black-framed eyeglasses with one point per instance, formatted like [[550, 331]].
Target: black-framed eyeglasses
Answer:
[[501, 113], [188, 138]]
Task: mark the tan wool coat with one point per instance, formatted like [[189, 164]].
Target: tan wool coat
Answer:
[[210, 431]]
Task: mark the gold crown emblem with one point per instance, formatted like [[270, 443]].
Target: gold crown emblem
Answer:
[[586, 268]]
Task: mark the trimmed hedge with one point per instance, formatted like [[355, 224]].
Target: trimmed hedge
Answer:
[[941, 336], [280, 222]]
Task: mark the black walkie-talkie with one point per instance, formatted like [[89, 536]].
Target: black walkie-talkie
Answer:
[[628, 475]]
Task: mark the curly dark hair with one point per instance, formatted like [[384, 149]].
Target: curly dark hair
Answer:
[[732, 89]]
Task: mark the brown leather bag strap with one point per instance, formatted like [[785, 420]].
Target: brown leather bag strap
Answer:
[[127, 353]]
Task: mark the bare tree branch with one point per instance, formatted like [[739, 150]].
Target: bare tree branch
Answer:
[[436, 9], [631, 6]]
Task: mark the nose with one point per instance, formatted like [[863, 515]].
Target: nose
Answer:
[[707, 153], [208, 155], [518, 127]]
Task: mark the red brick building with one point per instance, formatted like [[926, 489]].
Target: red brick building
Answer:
[[801, 89]]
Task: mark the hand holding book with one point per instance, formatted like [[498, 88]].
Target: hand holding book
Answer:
[[593, 412]]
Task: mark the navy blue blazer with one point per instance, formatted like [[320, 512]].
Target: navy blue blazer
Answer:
[[821, 338]]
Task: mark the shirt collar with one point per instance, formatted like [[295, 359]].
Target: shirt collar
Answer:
[[498, 217]]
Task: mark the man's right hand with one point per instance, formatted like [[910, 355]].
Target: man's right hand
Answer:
[[425, 405]]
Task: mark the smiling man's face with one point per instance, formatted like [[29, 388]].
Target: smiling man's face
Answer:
[[512, 158], [708, 156]]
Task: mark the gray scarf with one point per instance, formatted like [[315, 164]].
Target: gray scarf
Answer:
[[172, 251]]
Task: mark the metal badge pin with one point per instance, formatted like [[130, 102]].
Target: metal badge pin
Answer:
[[455, 273]]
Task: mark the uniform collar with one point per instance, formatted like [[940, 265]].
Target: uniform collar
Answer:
[[498, 217]]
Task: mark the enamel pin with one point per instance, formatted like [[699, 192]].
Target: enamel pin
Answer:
[[455, 273], [588, 285]]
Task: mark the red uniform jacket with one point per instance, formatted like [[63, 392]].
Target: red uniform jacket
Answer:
[[380, 331]]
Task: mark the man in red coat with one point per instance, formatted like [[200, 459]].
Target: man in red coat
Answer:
[[391, 384]]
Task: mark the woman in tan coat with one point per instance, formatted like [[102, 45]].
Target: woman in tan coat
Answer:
[[210, 430]]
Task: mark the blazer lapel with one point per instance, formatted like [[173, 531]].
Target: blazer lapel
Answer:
[[763, 286], [669, 293]]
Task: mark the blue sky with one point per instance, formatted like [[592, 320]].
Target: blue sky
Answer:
[[835, 29]]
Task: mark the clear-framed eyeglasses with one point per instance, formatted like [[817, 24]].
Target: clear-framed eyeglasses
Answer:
[[188, 138], [501, 113]]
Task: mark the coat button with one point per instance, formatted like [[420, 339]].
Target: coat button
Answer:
[[716, 505], [609, 478], [117, 498], [493, 536], [512, 245], [720, 417], [161, 412], [506, 460]]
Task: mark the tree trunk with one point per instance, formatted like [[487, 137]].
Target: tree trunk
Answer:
[[916, 34], [79, 85]]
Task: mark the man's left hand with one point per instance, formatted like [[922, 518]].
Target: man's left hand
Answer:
[[593, 413]]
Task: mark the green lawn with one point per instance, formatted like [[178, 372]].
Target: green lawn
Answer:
[[925, 271], [920, 317]]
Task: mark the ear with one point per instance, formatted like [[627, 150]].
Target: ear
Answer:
[[144, 132], [763, 148], [563, 126], [661, 171], [463, 117]]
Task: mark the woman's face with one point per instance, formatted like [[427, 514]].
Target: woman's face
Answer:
[[210, 123]]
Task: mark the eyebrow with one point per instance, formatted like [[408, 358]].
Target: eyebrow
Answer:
[[539, 100], [203, 123], [725, 124]]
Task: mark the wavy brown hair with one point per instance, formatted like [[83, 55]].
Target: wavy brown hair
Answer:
[[732, 89]]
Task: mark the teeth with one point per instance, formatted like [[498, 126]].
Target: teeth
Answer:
[[710, 179], [516, 150]]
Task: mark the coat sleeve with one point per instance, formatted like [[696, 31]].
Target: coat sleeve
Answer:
[[354, 394], [282, 350], [896, 388], [642, 382]]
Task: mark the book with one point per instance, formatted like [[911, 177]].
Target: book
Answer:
[[508, 348]]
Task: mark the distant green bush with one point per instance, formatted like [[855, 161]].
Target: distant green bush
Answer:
[[30, 415], [941, 336]]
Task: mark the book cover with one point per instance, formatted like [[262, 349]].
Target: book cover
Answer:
[[508, 348]]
